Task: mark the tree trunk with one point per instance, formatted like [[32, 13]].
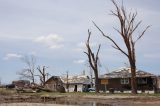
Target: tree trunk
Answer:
[[133, 81], [96, 82], [133, 77]]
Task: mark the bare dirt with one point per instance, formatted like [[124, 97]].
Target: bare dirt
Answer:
[[74, 100]]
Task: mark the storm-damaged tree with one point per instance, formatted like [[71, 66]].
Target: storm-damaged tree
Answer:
[[93, 60], [128, 27], [29, 71], [42, 75]]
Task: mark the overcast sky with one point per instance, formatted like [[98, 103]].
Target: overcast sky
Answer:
[[54, 31]]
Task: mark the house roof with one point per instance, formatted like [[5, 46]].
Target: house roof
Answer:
[[53, 77], [79, 79], [125, 73], [141, 73]]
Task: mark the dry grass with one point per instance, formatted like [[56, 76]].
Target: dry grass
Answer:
[[4, 91]]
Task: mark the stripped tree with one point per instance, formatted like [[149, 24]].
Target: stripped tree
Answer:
[[42, 75], [29, 71], [93, 60], [128, 27]]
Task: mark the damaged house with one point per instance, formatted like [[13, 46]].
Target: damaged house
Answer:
[[121, 80], [76, 83], [53, 82], [70, 83]]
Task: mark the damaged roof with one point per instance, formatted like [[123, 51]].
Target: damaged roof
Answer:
[[125, 73], [141, 73], [79, 79]]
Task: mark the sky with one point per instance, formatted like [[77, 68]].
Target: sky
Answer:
[[55, 32]]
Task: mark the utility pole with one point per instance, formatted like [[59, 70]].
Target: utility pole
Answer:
[[0, 81], [67, 84]]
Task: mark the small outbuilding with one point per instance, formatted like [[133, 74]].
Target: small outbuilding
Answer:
[[53, 83], [76, 83], [70, 83]]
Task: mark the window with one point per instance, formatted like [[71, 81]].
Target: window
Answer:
[[124, 81], [142, 80]]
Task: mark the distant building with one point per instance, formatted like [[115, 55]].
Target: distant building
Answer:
[[21, 83], [120, 80]]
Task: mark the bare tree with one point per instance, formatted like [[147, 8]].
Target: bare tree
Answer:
[[128, 25], [29, 72], [43, 75], [93, 60]]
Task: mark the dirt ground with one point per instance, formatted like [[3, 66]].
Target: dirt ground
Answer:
[[30, 104], [75, 100]]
